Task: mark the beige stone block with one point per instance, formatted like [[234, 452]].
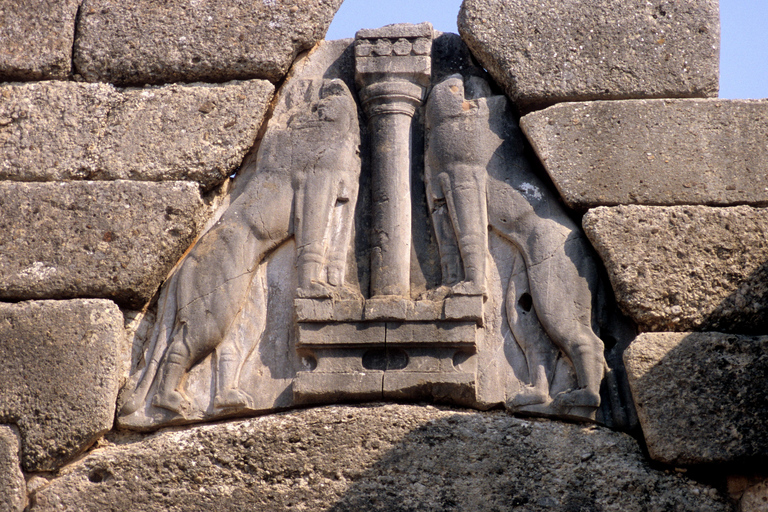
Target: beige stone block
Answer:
[[113, 240], [177, 41], [681, 268], [59, 375], [654, 152], [381, 458], [13, 488], [36, 39], [700, 397], [52, 131], [547, 51]]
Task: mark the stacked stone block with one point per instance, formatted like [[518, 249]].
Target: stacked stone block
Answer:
[[673, 190], [102, 189]]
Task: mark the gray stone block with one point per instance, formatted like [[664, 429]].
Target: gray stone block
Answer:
[[114, 240], [547, 51], [59, 375], [679, 268], [701, 397], [70, 131], [36, 39], [654, 152], [176, 41], [392, 457], [13, 488]]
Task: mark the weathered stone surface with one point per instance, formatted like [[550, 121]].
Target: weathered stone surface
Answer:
[[547, 51], [749, 491], [681, 268], [393, 457], [13, 488], [700, 397], [755, 498], [114, 240], [58, 369], [36, 39], [176, 41], [654, 152], [67, 130], [393, 67]]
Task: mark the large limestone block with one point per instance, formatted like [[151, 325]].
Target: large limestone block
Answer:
[[13, 488], [59, 375], [679, 268], [654, 152], [392, 457], [547, 51], [113, 240], [146, 41], [700, 397], [36, 38], [67, 130]]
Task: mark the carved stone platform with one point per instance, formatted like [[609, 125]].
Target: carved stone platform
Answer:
[[390, 347]]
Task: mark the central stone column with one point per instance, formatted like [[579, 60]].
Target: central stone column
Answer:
[[392, 72]]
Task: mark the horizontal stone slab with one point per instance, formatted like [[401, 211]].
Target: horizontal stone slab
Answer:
[[701, 397], [177, 41], [337, 386], [381, 458], [54, 131], [439, 333], [454, 387], [59, 371], [457, 307], [368, 333], [549, 51], [13, 487], [114, 240], [36, 39], [680, 268], [654, 152]]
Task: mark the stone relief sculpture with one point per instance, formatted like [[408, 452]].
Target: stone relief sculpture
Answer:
[[263, 314], [477, 178], [305, 186]]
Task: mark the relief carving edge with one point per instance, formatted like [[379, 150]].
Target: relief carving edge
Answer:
[[476, 176]]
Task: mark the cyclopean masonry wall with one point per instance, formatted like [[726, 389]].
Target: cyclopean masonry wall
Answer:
[[390, 235]]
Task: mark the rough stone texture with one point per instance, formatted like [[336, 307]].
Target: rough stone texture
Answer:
[[755, 498], [749, 491], [36, 39], [113, 240], [700, 397], [58, 375], [547, 51], [681, 268], [66, 130], [654, 152], [393, 457], [13, 488], [145, 41]]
